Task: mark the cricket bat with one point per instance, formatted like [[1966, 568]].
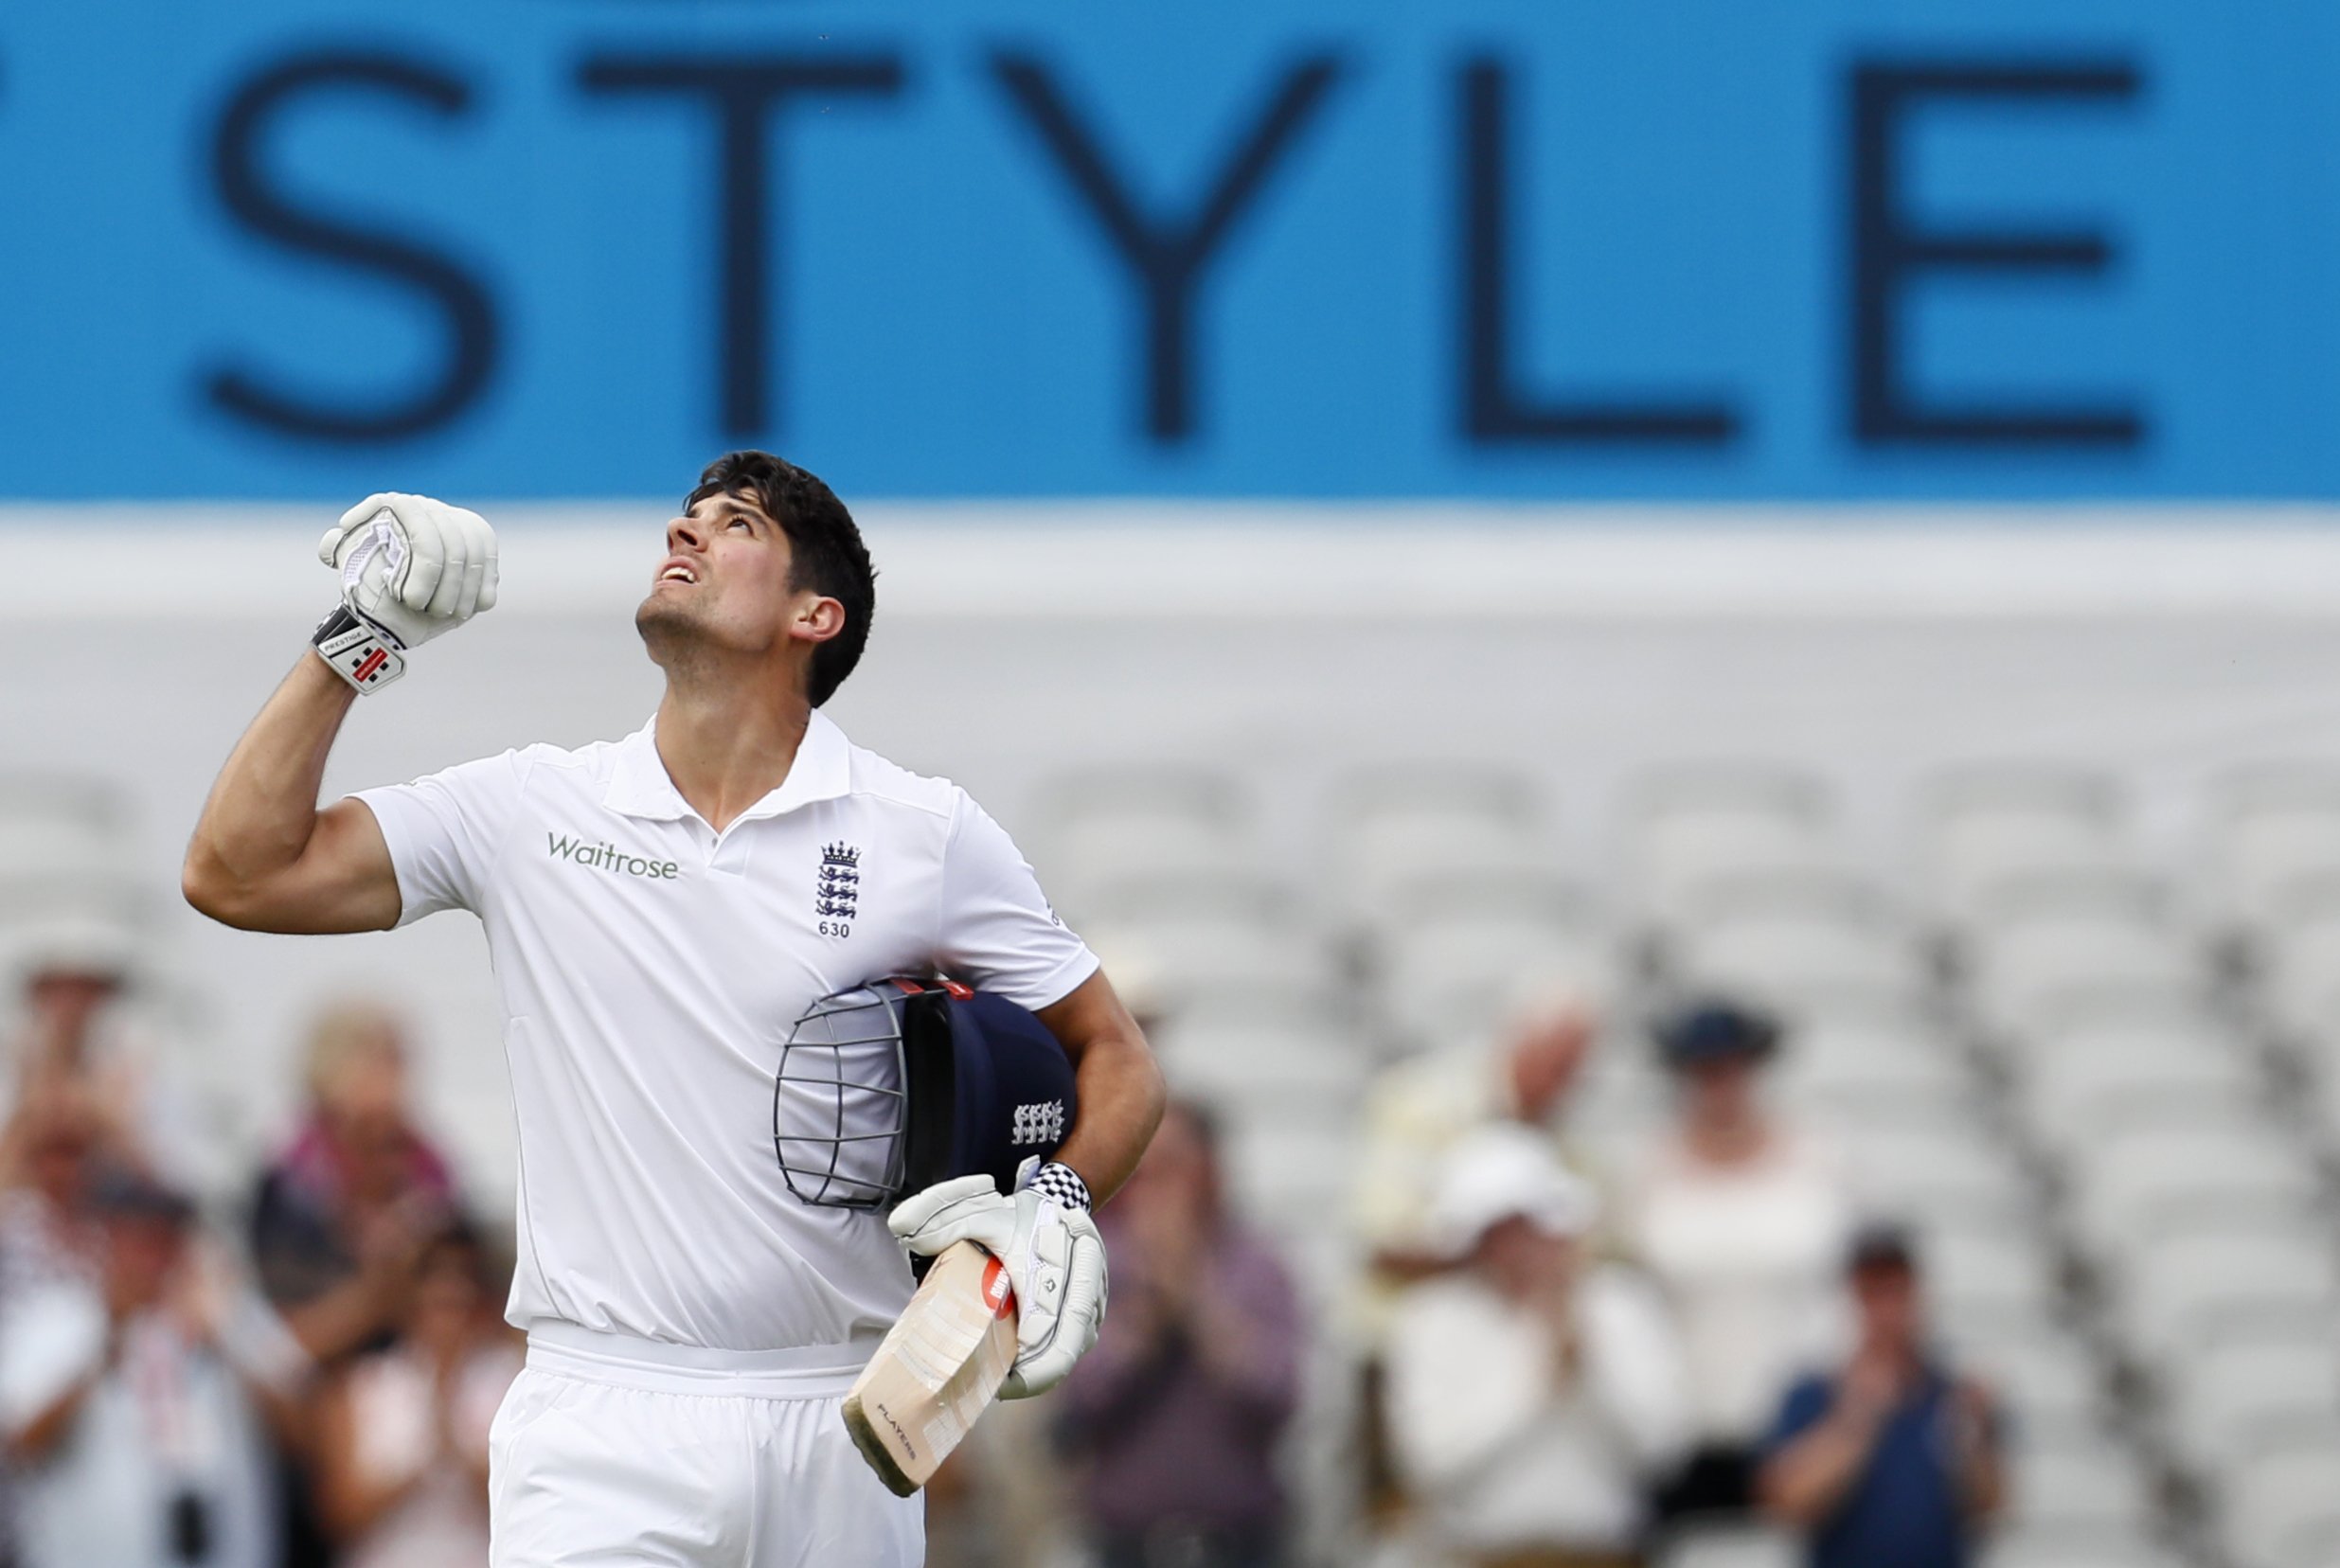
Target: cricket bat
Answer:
[[936, 1369]]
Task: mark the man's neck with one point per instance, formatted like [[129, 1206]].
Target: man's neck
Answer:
[[726, 748]]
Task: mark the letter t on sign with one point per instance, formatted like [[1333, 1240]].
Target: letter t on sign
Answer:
[[743, 92]]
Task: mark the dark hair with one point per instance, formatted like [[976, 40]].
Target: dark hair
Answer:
[[829, 557], [1881, 1244], [1714, 1030]]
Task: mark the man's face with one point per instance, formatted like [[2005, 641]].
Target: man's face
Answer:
[[142, 1251], [1523, 1261], [1546, 1055], [725, 583], [1886, 1295], [68, 998]]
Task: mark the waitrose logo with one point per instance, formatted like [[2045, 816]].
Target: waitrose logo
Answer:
[[608, 857]]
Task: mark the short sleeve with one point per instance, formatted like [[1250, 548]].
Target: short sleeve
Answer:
[[1806, 1402], [445, 830], [997, 932]]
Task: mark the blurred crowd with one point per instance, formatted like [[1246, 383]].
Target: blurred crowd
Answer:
[[1561, 1360], [305, 1377]]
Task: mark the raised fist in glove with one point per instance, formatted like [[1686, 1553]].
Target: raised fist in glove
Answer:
[[1053, 1254], [411, 567]]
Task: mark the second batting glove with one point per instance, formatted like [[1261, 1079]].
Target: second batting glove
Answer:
[[1054, 1257]]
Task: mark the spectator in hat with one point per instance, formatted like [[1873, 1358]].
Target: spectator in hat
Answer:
[[76, 1023], [1179, 1412], [47, 1153], [134, 1411], [1534, 1390], [1420, 1110], [402, 1433], [1741, 1220], [1893, 1457], [343, 1214]]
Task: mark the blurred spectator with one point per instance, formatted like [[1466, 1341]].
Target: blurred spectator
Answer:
[[1893, 1457], [1178, 1412], [1742, 1222], [1420, 1110], [133, 1410], [403, 1434], [45, 1237], [47, 1154], [75, 1021], [341, 1216], [1534, 1392]]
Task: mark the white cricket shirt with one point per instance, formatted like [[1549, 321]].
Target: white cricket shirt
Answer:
[[651, 969]]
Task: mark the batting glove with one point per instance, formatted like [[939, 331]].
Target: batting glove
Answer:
[[1053, 1254], [411, 567]]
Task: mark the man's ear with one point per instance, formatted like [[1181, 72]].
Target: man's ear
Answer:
[[817, 619]]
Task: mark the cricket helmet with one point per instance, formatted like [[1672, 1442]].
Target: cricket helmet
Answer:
[[890, 1087]]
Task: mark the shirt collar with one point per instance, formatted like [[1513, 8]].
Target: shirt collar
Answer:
[[639, 786]]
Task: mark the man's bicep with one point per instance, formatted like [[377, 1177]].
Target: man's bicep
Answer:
[[345, 880]]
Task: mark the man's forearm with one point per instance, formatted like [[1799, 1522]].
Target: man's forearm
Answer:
[[1121, 1099], [1120, 1087], [1804, 1484]]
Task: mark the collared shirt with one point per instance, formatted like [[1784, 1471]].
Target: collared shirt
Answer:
[[651, 969]]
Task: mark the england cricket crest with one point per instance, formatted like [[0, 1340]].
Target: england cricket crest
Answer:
[[836, 892]]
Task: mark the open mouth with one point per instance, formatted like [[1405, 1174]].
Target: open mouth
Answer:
[[678, 571]]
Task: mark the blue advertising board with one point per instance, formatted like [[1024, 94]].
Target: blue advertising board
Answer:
[[1534, 249]]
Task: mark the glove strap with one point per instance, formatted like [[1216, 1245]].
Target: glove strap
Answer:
[[361, 652], [1062, 1183]]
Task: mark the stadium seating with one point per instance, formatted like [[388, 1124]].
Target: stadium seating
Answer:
[[2104, 1082]]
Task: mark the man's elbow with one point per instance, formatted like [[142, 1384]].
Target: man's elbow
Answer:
[[210, 889]]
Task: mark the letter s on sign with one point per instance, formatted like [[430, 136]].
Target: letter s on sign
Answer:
[[383, 249]]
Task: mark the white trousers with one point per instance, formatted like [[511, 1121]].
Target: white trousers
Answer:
[[612, 1451]]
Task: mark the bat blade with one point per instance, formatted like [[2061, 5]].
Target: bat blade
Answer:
[[935, 1370]]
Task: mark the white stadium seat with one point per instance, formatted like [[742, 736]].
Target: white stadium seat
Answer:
[[1267, 1064], [2079, 1086], [2020, 965], [1695, 826], [1740, 1546], [2190, 1291], [2042, 1375], [2232, 1401], [2085, 1487], [2283, 1510], [1457, 982], [1977, 1274], [1101, 825], [1778, 957], [2144, 1182], [1989, 826], [2081, 1548], [1394, 829], [2301, 985], [2274, 841]]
